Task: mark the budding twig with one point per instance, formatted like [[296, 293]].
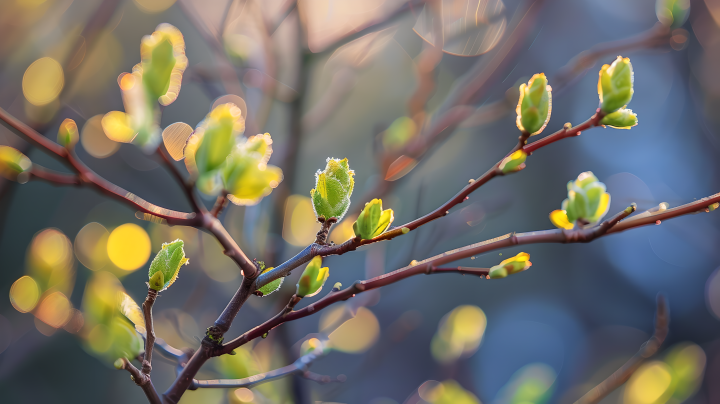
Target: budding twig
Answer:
[[141, 379], [149, 330]]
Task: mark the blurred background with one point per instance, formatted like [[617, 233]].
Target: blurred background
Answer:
[[364, 79]]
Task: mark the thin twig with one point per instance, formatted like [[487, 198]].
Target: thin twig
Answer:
[[300, 366], [648, 349], [187, 186], [220, 203], [141, 380], [149, 330], [52, 176]]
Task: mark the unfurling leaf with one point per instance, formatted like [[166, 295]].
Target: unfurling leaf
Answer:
[[211, 144], [373, 220], [535, 105], [167, 264], [313, 278], [125, 342], [511, 266], [623, 118], [672, 13], [333, 187], [513, 162], [615, 85], [68, 133], [130, 309], [163, 63], [272, 286], [587, 201], [246, 175], [13, 164]]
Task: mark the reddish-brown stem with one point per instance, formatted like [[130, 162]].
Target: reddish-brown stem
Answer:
[[565, 132], [141, 380], [53, 177], [433, 265], [220, 203], [187, 187], [648, 349], [149, 330]]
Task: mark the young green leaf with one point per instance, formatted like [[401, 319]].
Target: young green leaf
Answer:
[[246, 175], [615, 85], [13, 164], [272, 286], [165, 267], [535, 105], [514, 162], [313, 278], [587, 201], [372, 221], [333, 188], [68, 133], [511, 266], [623, 118], [163, 63]]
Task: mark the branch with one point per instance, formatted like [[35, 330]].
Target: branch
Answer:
[[141, 380], [90, 177], [52, 176], [187, 187], [648, 349], [656, 36], [149, 330], [309, 252], [300, 366], [220, 203]]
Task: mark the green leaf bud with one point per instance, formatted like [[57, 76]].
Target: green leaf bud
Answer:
[[586, 201], [167, 262], [272, 286], [211, 144], [615, 85], [535, 105], [514, 162], [313, 278], [333, 187], [68, 133], [713, 206], [372, 221], [672, 13], [118, 364], [163, 63], [14, 164], [623, 118], [246, 175], [126, 342], [511, 266]]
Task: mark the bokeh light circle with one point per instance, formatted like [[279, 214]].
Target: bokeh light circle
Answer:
[[43, 81], [94, 140], [24, 294], [128, 247]]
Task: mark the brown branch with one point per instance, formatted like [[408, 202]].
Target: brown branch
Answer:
[[187, 186], [648, 349], [149, 330], [315, 249], [220, 203], [141, 380], [52, 176], [433, 265]]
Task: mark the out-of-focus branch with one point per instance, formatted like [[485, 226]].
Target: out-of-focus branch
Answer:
[[656, 36], [372, 26], [300, 366], [286, 9], [141, 380], [52, 176], [648, 349]]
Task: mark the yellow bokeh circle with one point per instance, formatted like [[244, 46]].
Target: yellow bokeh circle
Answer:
[[24, 294], [43, 80], [128, 247]]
